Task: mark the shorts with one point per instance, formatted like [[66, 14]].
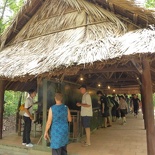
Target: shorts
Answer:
[[123, 112], [106, 113], [85, 120]]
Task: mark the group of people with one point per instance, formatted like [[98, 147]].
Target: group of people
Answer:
[[117, 106], [59, 115], [57, 123]]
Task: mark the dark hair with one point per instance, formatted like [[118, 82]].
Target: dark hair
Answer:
[[31, 91], [83, 86], [99, 92]]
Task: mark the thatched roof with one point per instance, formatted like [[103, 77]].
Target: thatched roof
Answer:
[[64, 37], [131, 11], [53, 33]]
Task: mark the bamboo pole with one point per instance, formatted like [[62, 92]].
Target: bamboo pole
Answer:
[[149, 109], [2, 90]]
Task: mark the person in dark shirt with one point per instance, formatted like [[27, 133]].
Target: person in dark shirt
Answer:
[[104, 109], [135, 102]]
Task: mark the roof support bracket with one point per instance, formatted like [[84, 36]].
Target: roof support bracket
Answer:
[[137, 66], [111, 5]]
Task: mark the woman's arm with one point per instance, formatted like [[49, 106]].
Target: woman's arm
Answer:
[[69, 116], [48, 124]]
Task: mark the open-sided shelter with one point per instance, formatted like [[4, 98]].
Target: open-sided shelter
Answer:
[[65, 39]]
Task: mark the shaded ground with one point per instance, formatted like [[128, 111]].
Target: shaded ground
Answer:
[[128, 139], [9, 125]]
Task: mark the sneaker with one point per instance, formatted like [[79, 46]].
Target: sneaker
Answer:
[[29, 145], [23, 143]]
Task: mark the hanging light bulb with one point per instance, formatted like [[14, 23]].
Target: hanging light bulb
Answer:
[[108, 87], [81, 77], [99, 85]]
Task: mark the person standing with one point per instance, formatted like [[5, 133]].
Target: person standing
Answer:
[[104, 108], [58, 118], [123, 106], [86, 112], [135, 102], [28, 118]]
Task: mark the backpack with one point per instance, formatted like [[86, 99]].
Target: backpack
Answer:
[[22, 109]]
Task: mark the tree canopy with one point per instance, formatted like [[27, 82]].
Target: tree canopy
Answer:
[[8, 9]]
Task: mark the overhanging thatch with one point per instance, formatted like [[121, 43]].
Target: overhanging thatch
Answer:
[[40, 63], [139, 41], [51, 38]]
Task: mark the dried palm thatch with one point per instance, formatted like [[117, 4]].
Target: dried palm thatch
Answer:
[[138, 41], [53, 36], [55, 16], [68, 55]]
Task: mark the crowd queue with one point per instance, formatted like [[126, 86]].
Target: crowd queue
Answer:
[[112, 108]]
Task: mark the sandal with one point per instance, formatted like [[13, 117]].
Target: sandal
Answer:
[[85, 144]]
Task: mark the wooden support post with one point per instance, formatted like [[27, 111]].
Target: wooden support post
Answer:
[[149, 109], [2, 90], [143, 105], [44, 143]]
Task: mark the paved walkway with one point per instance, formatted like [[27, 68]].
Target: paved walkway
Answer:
[[128, 139]]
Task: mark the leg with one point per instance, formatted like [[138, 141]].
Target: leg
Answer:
[[56, 151], [105, 122], [64, 150], [109, 120], [24, 131], [87, 135], [27, 129]]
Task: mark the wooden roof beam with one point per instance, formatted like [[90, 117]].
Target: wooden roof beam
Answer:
[[111, 6], [109, 69], [137, 66], [27, 16], [135, 18]]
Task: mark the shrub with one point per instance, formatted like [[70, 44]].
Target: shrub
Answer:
[[9, 109]]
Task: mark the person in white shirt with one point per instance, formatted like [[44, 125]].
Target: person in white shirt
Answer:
[[28, 118], [86, 112], [123, 106]]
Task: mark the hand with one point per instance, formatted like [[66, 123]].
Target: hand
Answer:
[[99, 102], [78, 104], [31, 117], [46, 136]]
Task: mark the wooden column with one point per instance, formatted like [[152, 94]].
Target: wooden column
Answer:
[[2, 90], [143, 105], [44, 143], [149, 110]]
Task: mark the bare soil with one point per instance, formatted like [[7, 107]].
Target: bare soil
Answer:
[[9, 125]]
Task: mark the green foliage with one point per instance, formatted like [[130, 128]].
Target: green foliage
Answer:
[[150, 4], [8, 10], [9, 109], [11, 99]]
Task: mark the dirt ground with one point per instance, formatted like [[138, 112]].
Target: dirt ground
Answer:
[[9, 125]]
